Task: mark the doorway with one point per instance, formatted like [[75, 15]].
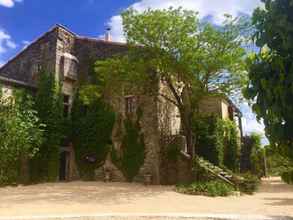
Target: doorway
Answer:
[[64, 166]]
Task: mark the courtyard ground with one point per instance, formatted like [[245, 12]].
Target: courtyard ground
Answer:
[[89, 198]]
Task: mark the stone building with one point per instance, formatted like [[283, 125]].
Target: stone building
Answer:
[[70, 56]]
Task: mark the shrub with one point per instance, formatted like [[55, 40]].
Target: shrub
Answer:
[[211, 188], [249, 183], [287, 176]]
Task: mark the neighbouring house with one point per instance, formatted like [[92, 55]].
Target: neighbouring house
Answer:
[[70, 56]]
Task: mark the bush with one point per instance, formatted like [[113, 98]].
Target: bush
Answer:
[[211, 188], [249, 183], [287, 176]]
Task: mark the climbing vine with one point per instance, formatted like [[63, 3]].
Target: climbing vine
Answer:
[[133, 148], [217, 141], [92, 125], [49, 105]]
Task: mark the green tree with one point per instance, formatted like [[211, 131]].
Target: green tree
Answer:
[[192, 59], [252, 155], [271, 72], [49, 105], [21, 135]]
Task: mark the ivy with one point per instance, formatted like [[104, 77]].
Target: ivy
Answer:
[[92, 126], [217, 141], [49, 105], [133, 149], [232, 146], [209, 138]]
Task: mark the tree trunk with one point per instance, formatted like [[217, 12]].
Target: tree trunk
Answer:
[[24, 170], [187, 129]]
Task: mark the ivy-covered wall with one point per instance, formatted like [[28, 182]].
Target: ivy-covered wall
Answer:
[[217, 141], [92, 126], [49, 106], [131, 157]]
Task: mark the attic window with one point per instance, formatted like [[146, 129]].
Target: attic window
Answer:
[[130, 104]]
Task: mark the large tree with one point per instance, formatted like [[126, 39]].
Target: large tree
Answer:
[[270, 83], [192, 59]]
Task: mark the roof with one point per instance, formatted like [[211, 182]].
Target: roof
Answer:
[[15, 82], [68, 31]]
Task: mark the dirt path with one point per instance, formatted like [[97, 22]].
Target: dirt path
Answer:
[[87, 198]]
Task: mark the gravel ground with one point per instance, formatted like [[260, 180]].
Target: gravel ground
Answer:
[[95, 198]]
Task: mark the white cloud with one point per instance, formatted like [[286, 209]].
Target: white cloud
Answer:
[[250, 124], [25, 43], [214, 8], [6, 43], [9, 3]]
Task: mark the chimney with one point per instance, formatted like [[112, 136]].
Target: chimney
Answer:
[[108, 36]]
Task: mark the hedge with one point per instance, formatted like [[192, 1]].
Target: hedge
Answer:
[[287, 176]]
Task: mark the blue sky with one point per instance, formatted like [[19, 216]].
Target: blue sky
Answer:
[[22, 21]]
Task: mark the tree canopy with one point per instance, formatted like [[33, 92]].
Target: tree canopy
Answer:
[[191, 58], [270, 83]]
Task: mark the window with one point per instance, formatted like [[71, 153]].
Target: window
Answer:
[[130, 104], [66, 105]]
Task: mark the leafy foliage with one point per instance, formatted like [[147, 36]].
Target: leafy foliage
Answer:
[[210, 188], [277, 163], [217, 141], [232, 145], [271, 72], [249, 184], [287, 176], [209, 139], [92, 126], [133, 150], [21, 135], [49, 106], [252, 155], [173, 151]]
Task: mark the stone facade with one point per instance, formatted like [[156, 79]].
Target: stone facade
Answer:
[[70, 58]]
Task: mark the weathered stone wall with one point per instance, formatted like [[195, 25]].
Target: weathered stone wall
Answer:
[[211, 105], [27, 64], [173, 170], [168, 113], [70, 57]]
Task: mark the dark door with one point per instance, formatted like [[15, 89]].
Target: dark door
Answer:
[[63, 166]]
